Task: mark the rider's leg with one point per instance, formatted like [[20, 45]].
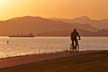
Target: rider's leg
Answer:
[[76, 45], [72, 46]]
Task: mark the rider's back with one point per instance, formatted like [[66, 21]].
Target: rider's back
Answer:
[[74, 35]]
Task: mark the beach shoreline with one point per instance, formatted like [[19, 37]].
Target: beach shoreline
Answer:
[[20, 60]]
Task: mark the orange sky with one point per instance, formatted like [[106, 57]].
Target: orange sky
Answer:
[[96, 9]]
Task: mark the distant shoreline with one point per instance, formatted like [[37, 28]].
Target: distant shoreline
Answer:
[[48, 36]]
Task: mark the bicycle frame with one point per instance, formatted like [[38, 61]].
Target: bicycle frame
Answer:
[[76, 49]]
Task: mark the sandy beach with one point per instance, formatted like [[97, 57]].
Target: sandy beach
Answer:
[[60, 61]]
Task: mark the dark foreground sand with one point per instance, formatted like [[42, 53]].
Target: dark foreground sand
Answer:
[[89, 61]]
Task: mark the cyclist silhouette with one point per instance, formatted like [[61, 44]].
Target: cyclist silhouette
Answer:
[[74, 36]]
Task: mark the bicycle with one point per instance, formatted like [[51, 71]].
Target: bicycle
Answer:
[[74, 48]]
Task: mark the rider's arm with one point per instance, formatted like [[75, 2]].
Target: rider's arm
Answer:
[[79, 36]]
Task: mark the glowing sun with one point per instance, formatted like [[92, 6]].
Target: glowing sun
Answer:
[[3, 3]]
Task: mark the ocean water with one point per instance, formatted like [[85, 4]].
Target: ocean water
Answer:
[[39, 45]]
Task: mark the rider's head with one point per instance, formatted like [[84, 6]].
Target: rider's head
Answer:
[[75, 30]]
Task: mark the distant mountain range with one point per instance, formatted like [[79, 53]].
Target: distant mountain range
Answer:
[[100, 24], [53, 27]]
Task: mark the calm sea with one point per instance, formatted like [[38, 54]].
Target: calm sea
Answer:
[[39, 45]]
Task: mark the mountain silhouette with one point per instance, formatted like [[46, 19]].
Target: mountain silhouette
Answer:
[[100, 24], [41, 26], [51, 27]]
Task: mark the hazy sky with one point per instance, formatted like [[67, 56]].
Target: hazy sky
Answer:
[[96, 9]]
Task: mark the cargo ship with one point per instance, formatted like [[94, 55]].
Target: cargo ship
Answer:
[[22, 35]]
